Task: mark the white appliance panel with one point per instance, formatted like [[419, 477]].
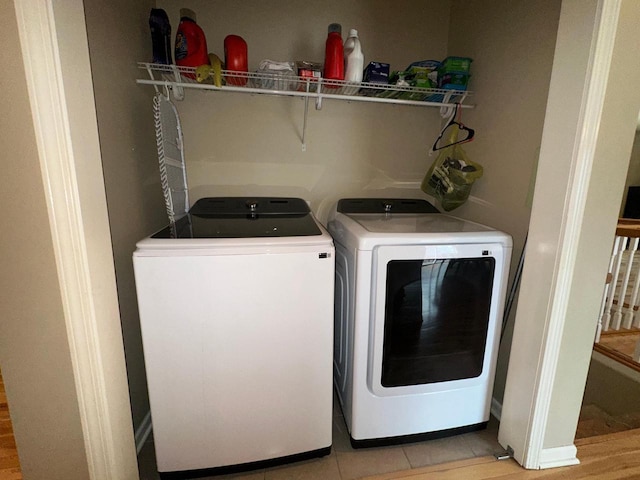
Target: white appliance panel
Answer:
[[238, 354], [368, 242], [342, 334]]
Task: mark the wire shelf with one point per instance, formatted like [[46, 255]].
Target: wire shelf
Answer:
[[316, 88]]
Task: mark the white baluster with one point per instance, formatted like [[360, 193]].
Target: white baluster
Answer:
[[603, 302], [636, 299], [598, 331], [618, 292], [628, 318], [611, 287], [636, 318], [622, 292]]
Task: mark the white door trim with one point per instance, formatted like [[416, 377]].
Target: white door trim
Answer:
[[582, 162], [88, 288], [527, 438]]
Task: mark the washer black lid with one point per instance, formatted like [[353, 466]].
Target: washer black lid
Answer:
[[244, 217], [385, 205], [243, 206]]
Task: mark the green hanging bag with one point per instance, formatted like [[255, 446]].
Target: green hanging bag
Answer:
[[450, 177]]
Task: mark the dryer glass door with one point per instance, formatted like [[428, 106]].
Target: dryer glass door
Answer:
[[436, 315]]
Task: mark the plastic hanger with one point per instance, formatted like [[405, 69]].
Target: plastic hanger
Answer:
[[461, 128]]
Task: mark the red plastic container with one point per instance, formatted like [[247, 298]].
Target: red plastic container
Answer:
[[235, 58], [334, 55], [191, 45]]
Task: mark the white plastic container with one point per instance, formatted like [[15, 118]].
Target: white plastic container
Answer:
[[353, 58]]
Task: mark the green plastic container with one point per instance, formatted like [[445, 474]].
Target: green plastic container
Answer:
[[455, 65], [454, 81]]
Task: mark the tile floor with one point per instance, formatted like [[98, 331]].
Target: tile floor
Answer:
[[346, 463]]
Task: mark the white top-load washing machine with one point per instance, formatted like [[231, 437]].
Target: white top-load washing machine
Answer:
[[236, 312], [419, 302]]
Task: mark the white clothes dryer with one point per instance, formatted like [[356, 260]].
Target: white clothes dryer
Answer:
[[236, 312], [419, 301]]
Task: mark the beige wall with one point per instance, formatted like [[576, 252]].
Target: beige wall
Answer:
[[241, 144], [238, 144], [34, 351], [511, 90], [119, 37], [615, 140]]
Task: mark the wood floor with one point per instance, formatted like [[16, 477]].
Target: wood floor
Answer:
[[607, 457], [9, 463]]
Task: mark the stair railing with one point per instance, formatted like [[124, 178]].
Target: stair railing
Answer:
[[620, 302]]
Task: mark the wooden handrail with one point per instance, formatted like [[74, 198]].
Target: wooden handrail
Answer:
[[628, 227]]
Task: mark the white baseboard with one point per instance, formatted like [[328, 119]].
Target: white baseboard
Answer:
[[496, 408], [558, 457], [549, 457], [143, 431]]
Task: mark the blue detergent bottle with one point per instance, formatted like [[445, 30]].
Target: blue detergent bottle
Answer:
[[160, 36]]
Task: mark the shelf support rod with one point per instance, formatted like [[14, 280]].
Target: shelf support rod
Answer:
[[178, 91], [304, 123], [319, 94], [150, 72]]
